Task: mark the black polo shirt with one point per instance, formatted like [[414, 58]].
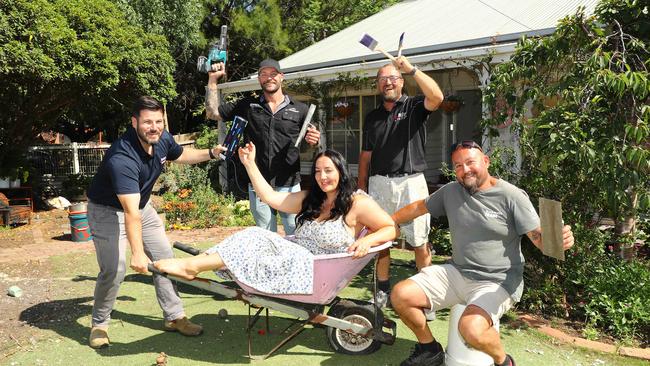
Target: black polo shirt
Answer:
[[274, 135], [127, 168], [397, 138]]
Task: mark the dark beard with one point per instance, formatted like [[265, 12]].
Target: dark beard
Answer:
[[143, 138]]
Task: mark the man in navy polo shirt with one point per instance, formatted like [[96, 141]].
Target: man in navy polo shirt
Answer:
[[394, 136], [274, 122], [119, 211]]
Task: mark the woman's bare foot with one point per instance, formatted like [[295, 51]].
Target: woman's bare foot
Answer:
[[177, 267]]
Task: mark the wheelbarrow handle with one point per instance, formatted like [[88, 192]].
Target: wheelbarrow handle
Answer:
[[186, 248]]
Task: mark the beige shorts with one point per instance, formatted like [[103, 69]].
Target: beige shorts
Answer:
[[445, 287], [396, 192]]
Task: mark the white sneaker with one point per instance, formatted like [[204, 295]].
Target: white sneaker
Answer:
[[382, 298]]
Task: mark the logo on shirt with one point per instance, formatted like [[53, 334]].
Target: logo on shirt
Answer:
[[490, 213], [399, 116], [163, 160], [292, 109]]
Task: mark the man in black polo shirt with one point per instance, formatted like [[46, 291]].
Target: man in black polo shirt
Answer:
[[394, 137], [274, 122], [119, 211]]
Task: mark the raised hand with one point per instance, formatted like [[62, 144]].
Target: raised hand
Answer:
[[247, 154], [218, 70]]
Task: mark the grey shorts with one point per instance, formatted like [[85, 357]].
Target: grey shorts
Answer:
[[445, 287], [393, 193]]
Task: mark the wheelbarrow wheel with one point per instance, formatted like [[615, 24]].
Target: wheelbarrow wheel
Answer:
[[349, 343]]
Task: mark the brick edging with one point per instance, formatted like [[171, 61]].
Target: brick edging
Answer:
[[541, 325]]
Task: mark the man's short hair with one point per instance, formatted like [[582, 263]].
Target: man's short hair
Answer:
[[148, 103], [385, 66]]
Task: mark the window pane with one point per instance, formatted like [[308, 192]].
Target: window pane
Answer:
[[352, 146], [337, 141]]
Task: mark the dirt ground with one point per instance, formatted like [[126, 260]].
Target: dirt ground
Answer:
[[24, 251]]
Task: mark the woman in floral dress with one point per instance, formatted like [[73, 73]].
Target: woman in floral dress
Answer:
[[330, 216]]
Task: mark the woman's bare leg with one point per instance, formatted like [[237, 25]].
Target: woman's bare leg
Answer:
[[189, 267]]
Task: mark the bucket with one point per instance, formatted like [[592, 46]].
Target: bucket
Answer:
[[79, 228], [458, 353], [79, 207]]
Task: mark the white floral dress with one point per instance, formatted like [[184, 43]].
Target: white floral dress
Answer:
[[270, 263]]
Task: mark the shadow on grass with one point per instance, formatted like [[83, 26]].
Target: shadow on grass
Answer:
[[224, 340]]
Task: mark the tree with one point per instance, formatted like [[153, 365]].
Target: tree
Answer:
[[179, 21], [76, 62], [309, 21], [588, 140], [277, 28]]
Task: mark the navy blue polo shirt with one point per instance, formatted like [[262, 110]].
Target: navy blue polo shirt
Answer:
[[127, 168], [274, 135], [397, 138]]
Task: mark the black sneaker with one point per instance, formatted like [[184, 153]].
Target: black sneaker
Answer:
[[421, 357], [509, 361]]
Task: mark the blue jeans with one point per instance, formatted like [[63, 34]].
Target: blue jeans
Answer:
[[265, 216]]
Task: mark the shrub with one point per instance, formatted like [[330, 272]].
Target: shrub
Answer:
[[440, 238], [593, 285]]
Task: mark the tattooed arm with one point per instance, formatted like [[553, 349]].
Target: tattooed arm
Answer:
[[536, 237]]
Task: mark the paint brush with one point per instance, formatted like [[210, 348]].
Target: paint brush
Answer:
[[372, 43], [401, 43]]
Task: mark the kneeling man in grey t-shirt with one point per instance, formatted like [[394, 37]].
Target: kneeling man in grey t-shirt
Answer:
[[487, 218]]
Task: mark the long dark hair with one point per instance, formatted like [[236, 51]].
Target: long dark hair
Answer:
[[311, 205]]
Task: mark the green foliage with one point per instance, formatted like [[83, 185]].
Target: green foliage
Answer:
[[177, 177], [75, 185], [208, 138], [71, 61], [586, 144], [309, 21], [190, 202], [179, 21], [589, 85], [276, 28], [592, 285], [440, 239], [326, 93], [202, 207]]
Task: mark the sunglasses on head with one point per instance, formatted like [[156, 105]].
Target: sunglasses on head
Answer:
[[468, 144]]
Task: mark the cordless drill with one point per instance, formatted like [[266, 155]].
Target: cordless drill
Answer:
[[216, 54]]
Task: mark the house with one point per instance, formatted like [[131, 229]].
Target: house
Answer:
[[449, 40]]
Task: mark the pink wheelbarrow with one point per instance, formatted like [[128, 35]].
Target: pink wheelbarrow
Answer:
[[353, 327]]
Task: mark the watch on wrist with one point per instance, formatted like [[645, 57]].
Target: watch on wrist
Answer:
[[413, 71], [211, 154]]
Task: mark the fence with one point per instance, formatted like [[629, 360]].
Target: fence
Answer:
[[60, 161]]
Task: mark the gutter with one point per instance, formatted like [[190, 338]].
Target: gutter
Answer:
[[501, 52]]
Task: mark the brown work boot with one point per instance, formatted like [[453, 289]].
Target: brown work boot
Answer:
[[98, 337], [184, 326]]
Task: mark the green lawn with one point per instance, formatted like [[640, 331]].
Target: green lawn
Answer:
[[62, 330]]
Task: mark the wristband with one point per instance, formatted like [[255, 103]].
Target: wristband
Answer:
[[211, 154], [413, 71]]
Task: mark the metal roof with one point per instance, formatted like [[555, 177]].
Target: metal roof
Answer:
[[429, 23], [433, 27]]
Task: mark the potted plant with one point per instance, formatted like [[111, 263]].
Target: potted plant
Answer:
[[74, 187], [451, 103], [17, 175], [343, 108]]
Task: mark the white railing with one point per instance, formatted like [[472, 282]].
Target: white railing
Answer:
[[77, 158]]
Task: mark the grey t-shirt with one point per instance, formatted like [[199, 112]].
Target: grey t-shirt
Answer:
[[486, 230]]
